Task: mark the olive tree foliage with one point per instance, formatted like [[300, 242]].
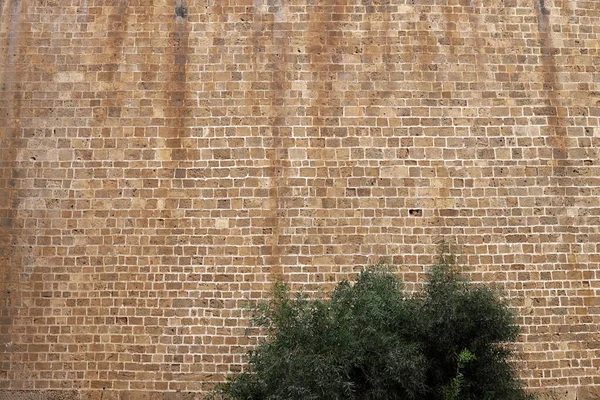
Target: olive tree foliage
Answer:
[[369, 340]]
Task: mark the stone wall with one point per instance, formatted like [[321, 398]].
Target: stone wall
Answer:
[[163, 162]]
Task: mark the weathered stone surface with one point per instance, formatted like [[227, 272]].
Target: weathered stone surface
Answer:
[[39, 395], [163, 162]]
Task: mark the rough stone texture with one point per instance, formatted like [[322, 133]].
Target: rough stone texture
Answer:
[[40, 395], [162, 162]]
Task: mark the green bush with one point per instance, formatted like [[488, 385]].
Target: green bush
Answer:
[[370, 341]]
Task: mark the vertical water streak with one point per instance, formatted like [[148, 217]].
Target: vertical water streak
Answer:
[[10, 124]]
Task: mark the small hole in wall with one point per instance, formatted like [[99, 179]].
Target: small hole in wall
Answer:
[[181, 11], [415, 212]]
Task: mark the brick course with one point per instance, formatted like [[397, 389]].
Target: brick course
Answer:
[[163, 162]]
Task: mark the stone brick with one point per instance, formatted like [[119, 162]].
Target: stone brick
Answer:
[[160, 164]]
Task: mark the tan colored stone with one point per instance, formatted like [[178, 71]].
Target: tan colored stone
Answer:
[[156, 171]]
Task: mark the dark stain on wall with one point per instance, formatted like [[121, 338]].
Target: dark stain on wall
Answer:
[[175, 89], [11, 96], [270, 41], [112, 96], [543, 9], [325, 48], [553, 109], [181, 11], [276, 152]]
